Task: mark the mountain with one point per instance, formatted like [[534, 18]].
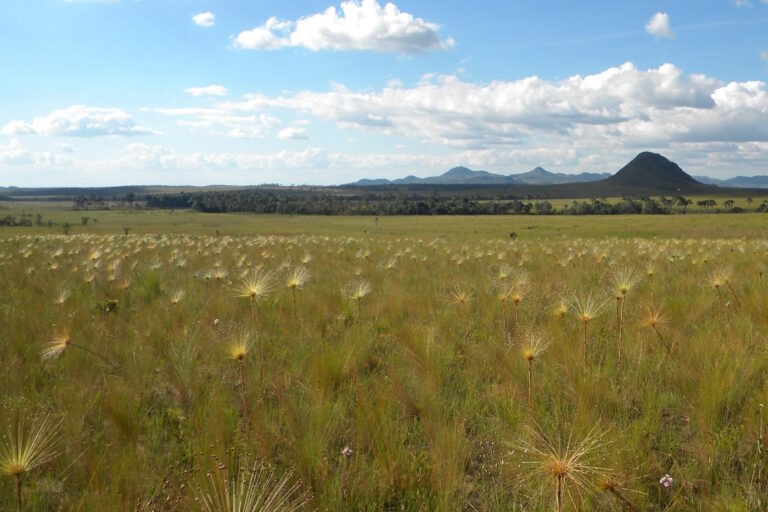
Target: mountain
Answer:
[[463, 176], [540, 176], [737, 182], [651, 171]]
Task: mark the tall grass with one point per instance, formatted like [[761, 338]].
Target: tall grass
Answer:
[[398, 393]]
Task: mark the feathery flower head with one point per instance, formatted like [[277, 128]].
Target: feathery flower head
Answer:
[[54, 347], [587, 307], [460, 296], [177, 296], [25, 449], [241, 346], [534, 345], [297, 277], [357, 289], [256, 285], [625, 280]]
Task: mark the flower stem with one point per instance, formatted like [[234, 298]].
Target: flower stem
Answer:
[[529, 381], [18, 493], [103, 358], [242, 391]]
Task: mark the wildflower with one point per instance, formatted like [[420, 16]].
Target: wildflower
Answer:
[[666, 481], [346, 451]]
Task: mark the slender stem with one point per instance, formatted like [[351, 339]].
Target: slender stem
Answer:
[[504, 318], [623, 499], [760, 455], [662, 339], [621, 326], [516, 316], [585, 342], [359, 318], [242, 391], [103, 358], [18, 493], [735, 297], [295, 313], [529, 381], [559, 496], [253, 309]]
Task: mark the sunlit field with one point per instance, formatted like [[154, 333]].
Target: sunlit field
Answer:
[[195, 362]]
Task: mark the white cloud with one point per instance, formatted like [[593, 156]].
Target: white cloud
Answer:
[[747, 3], [209, 90], [293, 132], [587, 123], [357, 25], [218, 121], [79, 121], [658, 26], [14, 153], [446, 111], [269, 36], [204, 19]]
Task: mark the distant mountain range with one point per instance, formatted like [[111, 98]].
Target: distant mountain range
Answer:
[[647, 170], [464, 176], [738, 181]]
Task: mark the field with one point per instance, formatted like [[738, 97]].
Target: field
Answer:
[[409, 363]]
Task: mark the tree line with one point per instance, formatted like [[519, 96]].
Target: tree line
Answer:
[[389, 203]]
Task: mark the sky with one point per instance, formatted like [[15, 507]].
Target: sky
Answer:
[[193, 92]]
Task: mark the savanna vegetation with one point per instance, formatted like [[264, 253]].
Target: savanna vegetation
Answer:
[[293, 363]]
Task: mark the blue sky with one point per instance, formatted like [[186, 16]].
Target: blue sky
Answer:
[[201, 92]]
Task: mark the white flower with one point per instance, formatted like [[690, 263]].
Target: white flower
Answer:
[[666, 481], [347, 451]]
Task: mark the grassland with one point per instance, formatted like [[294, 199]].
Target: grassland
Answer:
[[412, 396], [139, 221]]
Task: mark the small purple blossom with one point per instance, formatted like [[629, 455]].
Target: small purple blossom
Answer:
[[666, 481], [346, 451]]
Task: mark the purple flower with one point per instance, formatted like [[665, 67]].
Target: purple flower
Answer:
[[347, 451], [666, 481]]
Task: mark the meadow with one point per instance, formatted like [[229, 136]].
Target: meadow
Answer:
[[207, 361]]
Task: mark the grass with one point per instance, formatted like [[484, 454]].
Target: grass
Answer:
[[700, 225], [384, 387]]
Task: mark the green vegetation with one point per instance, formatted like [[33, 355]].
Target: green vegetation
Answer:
[[414, 363]]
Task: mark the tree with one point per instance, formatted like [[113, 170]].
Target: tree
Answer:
[[728, 203]]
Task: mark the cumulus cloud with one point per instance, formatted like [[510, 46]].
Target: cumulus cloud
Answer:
[[357, 25], [293, 132], [204, 19], [445, 110], [208, 90], [622, 103], [79, 121], [658, 26]]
